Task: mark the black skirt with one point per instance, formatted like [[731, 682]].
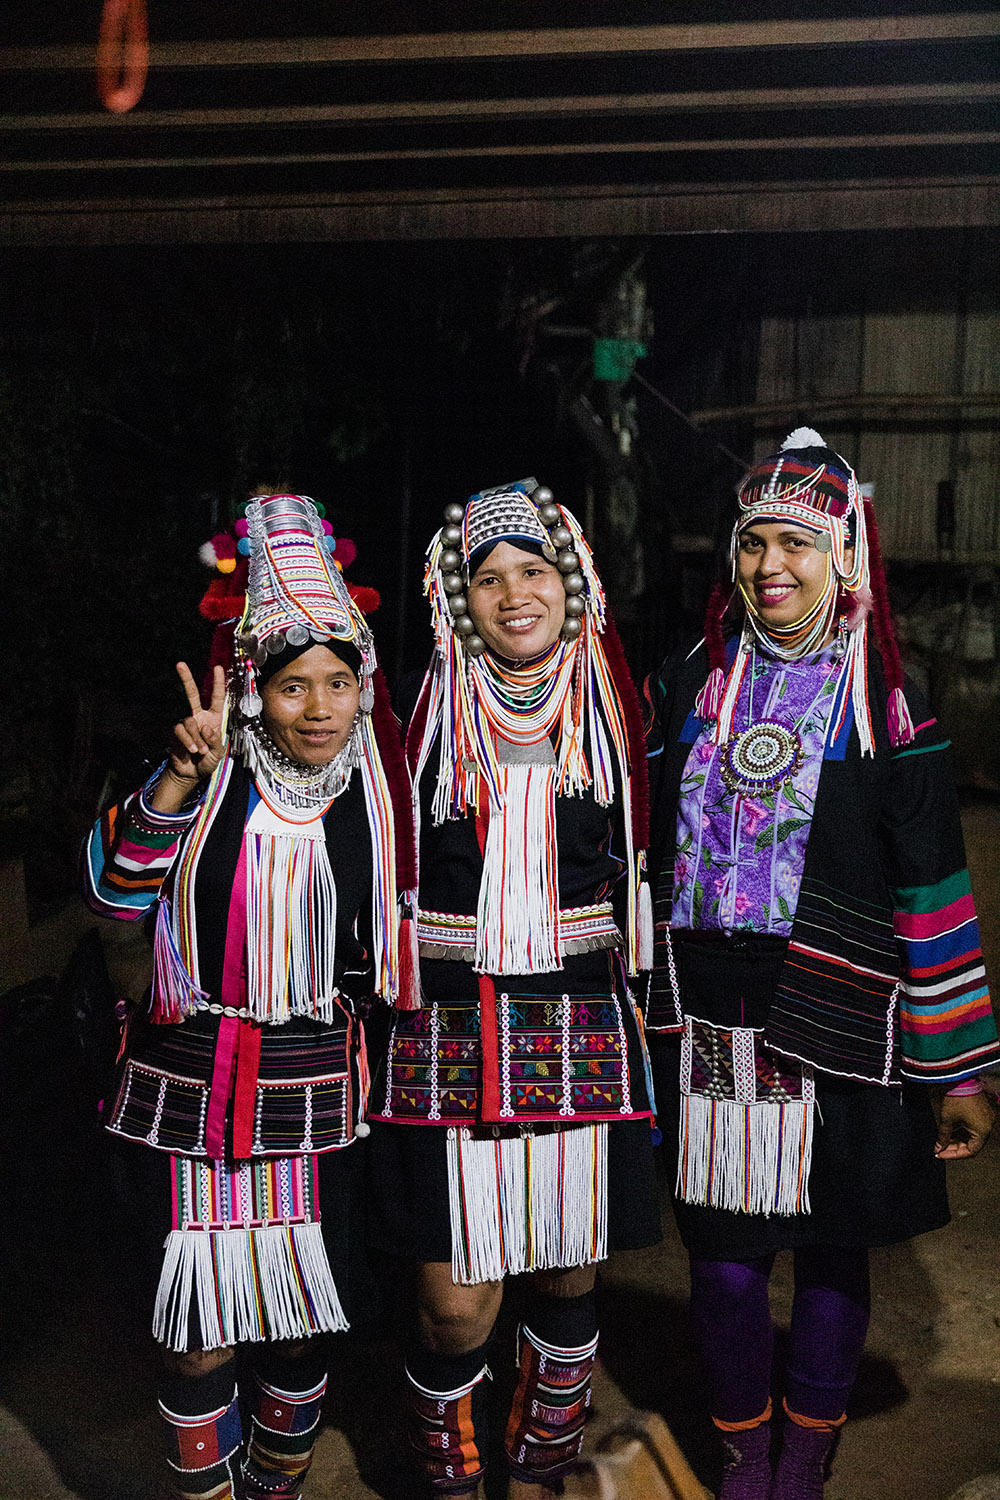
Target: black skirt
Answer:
[[143, 1191], [408, 1189], [874, 1178]]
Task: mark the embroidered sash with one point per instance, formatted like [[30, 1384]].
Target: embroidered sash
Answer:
[[746, 1125]]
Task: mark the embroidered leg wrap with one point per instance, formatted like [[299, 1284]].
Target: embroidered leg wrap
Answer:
[[448, 1420], [203, 1432], [558, 1342], [286, 1407]]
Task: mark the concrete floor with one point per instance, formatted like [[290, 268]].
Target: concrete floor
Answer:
[[77, 1368]]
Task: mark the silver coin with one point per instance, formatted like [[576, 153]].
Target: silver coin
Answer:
[[296, 635]]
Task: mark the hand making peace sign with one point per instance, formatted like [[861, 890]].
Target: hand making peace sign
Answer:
[[198, 743]]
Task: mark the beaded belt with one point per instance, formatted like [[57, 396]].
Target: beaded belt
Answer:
[[582, 929]]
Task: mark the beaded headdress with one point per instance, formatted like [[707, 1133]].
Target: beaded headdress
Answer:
[[578, 693], [809, 485]]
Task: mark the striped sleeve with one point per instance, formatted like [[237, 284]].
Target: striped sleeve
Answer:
[[945, 1013], [128, 854], [947, 1028]]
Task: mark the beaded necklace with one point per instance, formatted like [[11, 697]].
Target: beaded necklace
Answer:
[[297, 793]]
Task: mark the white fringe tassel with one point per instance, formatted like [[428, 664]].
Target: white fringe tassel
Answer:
[[245, 1291], [291, 927], [560, 1178], [753, 1158], [517, 921], [644, 940]]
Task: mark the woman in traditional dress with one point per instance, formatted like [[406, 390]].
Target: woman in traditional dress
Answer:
[[511, 1133], [817, 952], [266, 845]]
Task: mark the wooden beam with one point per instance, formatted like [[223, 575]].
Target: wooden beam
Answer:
[[904, 140], [580, 105], [599, 210], [880, 403], [545, 42]]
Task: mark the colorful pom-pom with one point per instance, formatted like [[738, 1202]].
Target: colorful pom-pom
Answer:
[[241, 528], [346, 550], [206, 554], [243, 546], [226, 565], [320, 508], [901, 730], [327, 527], [709, 701], [338, 565]]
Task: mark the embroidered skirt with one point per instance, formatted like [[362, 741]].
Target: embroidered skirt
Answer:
[[266, 1250], [418, 1176]]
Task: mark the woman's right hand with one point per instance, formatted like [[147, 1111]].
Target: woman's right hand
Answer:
[[198, 744]]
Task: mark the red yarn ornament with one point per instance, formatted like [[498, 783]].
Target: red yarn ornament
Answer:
[[633, 730]]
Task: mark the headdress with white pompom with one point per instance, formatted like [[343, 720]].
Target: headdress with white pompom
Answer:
[[811, 486]]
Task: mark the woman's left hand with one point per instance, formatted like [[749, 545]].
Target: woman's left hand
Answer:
[[964, 1125]]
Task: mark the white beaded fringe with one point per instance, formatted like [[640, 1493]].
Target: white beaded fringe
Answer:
[[750, 1157], [527, 1203], [276, 1286]]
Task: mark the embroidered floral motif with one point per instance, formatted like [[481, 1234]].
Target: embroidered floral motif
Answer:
[[740, 857]]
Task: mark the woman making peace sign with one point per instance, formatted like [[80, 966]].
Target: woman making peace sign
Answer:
[[266, 844]]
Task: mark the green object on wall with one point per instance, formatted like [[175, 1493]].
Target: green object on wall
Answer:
[[614, 359]]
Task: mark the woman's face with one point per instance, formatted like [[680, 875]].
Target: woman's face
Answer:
[[517, 602], [780, 570], [310, 706]]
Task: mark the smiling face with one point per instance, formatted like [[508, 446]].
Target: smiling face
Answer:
[[517, 603], [310, 705], [780, 571]]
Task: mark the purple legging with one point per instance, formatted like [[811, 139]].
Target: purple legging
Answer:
[[731, 1321]]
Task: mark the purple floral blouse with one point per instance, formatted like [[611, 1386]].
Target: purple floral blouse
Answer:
[[739, 856]]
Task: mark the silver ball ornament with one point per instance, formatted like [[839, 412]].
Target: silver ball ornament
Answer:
[[449, 560], [451, 535], [561, 536], [575, 606], [574, 583], [452, 583], [458, 604], [475, 645], [542, 495], [571, 629], [454, 514], [549, 515], [463, 625], [567, 562]]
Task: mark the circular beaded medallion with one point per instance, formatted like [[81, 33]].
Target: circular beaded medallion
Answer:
[[760, 758]]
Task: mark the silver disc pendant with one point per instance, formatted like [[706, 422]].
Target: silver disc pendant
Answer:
[[251, 705], [760, 758]]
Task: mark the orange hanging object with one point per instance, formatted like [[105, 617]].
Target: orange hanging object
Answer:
[[122, 54]]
